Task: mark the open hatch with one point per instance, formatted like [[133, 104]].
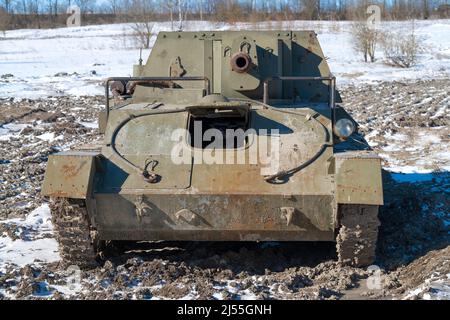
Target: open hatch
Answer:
[[216, 125]]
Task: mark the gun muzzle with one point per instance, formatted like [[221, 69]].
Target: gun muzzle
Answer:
[[240, 62]]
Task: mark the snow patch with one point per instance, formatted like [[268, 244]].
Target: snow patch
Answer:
[[49, 136], [36, 246]]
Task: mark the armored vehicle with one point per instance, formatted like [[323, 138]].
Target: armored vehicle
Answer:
[[221, 136]]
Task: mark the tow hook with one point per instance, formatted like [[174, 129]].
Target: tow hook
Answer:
[[151, 176], [287, 214], [141, 207]]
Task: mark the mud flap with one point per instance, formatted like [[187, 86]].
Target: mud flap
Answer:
[[358, 178], [69, 174]]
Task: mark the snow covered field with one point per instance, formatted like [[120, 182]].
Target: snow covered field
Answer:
[[75, 60], [404, 118]]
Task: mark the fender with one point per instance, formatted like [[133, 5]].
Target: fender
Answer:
[[70, 174], [358, 178]]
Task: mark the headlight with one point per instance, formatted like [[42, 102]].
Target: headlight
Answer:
[[344, 128]]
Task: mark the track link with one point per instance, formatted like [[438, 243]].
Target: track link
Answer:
[[358, 233], [77, 241]]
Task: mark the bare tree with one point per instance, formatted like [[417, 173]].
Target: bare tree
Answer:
[[400, 49], [170, 5], [426, 9], [200, 9], [114, 6], [52, 7], [310, 8], [4, 20], [228, 10], [142, 11], [181, 9], [85, 5], [365, 40], [231, 11], [6, 5]]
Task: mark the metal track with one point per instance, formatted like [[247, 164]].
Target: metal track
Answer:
[[76, 239], [358, 233]]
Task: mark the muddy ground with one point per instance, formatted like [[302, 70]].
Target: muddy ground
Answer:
[[414, 240]]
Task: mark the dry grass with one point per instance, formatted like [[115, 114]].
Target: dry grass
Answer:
[[401, 49]]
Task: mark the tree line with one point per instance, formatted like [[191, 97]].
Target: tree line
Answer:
[[53, 13]]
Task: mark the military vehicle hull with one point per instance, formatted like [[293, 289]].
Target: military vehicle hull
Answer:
[[117, 216], [144, 182]]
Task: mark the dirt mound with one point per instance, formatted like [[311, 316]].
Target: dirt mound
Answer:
[[434, 265]]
